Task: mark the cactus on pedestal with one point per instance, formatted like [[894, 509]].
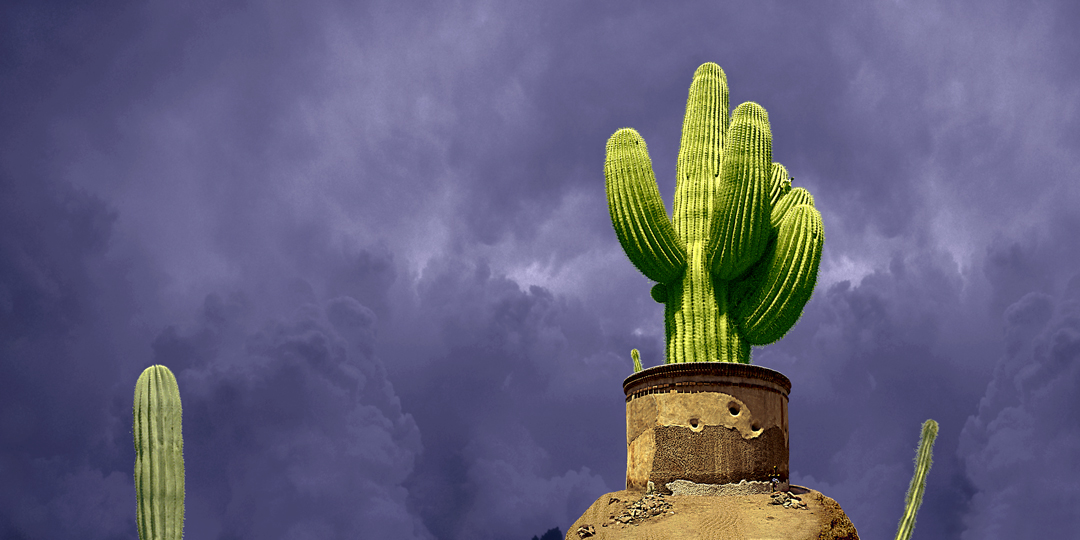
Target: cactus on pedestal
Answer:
[[738, 260], [159, 455]]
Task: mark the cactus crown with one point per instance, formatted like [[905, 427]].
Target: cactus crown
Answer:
[[738, 259]]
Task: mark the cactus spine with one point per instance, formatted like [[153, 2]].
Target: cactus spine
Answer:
[[923, 459], [159, 455], [738, 260]]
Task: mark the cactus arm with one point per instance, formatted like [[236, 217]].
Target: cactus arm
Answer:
[[740, 221], [923, 460], [705, 128], [637, 359], [637, 211], [159, 455], [784, 281]]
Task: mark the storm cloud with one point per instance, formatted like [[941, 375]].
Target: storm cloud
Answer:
[[372, 242]]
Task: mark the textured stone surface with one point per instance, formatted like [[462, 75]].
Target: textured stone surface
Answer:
[[715, 455], [711, 423], [708, 437], [798, 514]]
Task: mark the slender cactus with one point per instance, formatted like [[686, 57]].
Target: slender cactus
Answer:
[[159, 455], [637, 359], [923, 459], [738, 259]]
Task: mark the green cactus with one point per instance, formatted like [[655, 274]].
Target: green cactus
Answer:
[[637, 360], [923, 459], [739, 258], [159, 455]]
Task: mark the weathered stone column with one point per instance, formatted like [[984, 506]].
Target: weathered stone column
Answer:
[[706, 422]]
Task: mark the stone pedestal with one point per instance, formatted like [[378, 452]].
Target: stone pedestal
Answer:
[[706, 422], [712, 439]]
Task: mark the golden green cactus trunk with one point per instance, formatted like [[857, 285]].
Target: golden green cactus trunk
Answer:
[[738, 260], [923, 460], [159, 455]]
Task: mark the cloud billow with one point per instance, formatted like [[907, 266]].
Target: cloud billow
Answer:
[[511, 391], [291, 431], [1022, 446]]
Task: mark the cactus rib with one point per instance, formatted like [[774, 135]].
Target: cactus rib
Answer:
[[781, 183]]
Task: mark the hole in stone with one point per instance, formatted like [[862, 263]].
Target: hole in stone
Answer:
[[693, 422], [755, 426], [733, 408]]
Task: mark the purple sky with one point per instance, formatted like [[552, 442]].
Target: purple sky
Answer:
[[373, 244]]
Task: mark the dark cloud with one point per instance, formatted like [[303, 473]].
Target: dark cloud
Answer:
[[516, 380], [43, 276], [1014, 268], [299, 433], [55, 379], [1020, 449]]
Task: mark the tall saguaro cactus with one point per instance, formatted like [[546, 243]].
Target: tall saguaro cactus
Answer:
[[738, 260], [159, 455], [923, 459]]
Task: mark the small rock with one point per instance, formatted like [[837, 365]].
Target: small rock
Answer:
[[586, 531], [650, 505]]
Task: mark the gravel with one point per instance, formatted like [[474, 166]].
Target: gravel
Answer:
[[686, 487]]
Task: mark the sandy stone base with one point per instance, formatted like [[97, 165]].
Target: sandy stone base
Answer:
[[798, 514]]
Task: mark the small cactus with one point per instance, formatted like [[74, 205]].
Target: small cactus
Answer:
[[159, 455], [923, 459], [738, 260], [637, 359]]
